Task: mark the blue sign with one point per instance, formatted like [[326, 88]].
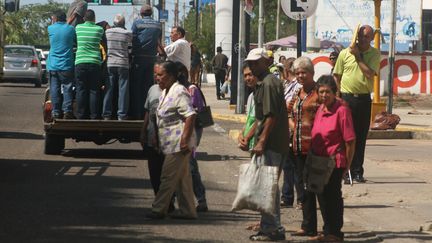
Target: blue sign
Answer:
[[163, 15]]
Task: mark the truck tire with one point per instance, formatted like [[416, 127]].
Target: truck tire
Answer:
[[54, 144]]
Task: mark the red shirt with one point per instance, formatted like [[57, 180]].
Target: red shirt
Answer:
[[330, 131]]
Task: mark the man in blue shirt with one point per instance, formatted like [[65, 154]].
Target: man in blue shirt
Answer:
[[60, 65], [146, 35]]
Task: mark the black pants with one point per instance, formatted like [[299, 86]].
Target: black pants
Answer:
[[139, 85], [88, 91], [361, 114], [331, 204], [309, 223], [220, 79], [155, 163]]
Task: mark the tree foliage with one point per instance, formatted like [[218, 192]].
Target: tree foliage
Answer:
[[205, 38], [29, 25], [287, 25]]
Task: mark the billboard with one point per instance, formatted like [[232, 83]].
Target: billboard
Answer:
[[336, 19]]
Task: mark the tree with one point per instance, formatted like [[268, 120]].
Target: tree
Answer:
[[287, 28], [29, 25], [205, 37]]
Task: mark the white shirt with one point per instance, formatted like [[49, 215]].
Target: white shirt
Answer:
[[179, 51]]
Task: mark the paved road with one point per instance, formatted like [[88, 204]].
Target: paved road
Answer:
[[96, 193]]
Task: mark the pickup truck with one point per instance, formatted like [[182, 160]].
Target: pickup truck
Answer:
[[97, 131]]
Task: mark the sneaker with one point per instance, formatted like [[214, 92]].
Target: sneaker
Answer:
[[155, 215], [359, 179], [285, 204], [69, 115], [274, 236], [202, 208]]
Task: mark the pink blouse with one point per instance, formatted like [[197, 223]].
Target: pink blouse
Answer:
[[330, 131]]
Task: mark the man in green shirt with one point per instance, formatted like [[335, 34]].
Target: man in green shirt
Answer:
[[88, 68], [354, 72], [272, 136]]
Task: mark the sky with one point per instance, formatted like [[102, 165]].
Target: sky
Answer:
[[107, 13]]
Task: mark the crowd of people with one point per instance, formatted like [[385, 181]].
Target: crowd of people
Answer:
[[310, 122], [290, 116]]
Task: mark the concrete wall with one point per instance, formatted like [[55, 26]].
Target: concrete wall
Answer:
[[223, 25]]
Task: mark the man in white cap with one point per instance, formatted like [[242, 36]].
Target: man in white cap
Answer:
[[272, 118]]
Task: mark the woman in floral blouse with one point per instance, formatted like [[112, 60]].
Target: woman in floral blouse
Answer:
[[175, 121]]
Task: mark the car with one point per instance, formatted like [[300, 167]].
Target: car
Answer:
[[21, 63], [43, 57]]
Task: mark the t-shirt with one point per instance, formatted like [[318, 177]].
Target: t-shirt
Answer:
[[150, 105], [89, 36], [270, 101], [118, 41], [353, 80], [196, 96], [331, 130], [250, 105], [62, 38]]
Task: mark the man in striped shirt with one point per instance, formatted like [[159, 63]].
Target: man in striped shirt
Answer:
[[118, 41], [88, 67]]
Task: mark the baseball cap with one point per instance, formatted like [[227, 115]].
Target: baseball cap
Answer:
[[256, 54]]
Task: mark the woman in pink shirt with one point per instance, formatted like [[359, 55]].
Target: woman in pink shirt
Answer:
[[332, 134]]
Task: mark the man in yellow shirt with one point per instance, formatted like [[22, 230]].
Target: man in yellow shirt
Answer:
[[354, 72]]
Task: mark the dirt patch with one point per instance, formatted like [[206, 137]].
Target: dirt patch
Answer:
[[414, 101]]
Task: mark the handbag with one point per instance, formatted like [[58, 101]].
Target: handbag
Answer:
[[257, 186], [317, 172], [204, 117]]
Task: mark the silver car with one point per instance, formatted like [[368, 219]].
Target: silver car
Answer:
[[21, 63]]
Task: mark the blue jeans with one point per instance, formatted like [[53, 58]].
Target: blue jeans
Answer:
[[271, 222], [140, 84], [197, 184], [118, 76], [290, 179], [61, 82], [88, 88]]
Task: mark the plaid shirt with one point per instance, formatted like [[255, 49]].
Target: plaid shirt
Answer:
[[303, 113]]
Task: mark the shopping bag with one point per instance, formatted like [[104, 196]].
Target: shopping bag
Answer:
[[257, 187], [318, 170]]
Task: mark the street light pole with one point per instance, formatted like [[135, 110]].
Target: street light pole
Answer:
[[391, 57], [241, 47], [260, 24], [278, 18]]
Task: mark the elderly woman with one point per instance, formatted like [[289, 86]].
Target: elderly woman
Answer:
[[302, 108], [175, 122], [332, 135]]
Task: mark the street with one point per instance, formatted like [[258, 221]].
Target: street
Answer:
[[94, 193]]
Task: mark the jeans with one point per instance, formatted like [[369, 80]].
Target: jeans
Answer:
[[361, 112], [197, 184], [140, 84], [290, 180], [88, 87], [271, 222], [220, 78], [61, 81], [118, 76]]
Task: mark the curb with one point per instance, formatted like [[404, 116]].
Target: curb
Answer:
[[234, 118]]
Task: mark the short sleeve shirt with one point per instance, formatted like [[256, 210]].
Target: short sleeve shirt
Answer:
[[174, 107], [151, 104], [62, 38], [353, 80], [270, 101], [331, 130]]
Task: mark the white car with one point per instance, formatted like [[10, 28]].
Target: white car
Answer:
[[43, 58]]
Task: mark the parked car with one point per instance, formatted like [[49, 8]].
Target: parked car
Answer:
[[22, 64], [43, 58]]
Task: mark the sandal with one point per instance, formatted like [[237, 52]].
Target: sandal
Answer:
[[260, 236], [330, 238]]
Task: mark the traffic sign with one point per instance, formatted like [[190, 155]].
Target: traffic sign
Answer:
[[299, 9], [163, 15]]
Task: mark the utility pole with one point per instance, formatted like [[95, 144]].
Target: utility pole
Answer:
[[184, 13], [196, 17], [241, 47], [260, 24], [176, 13], [278, 18], [391, 57], [162, 4]]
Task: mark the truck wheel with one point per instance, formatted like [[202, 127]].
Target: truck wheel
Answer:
[[54, 144]]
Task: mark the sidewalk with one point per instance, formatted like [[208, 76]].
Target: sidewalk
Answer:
[[415, 124]]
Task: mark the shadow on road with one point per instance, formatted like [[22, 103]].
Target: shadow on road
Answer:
[[105, 154], [21, 135], [379, 236]]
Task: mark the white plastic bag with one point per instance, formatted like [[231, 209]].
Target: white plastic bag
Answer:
[[257, 186]]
